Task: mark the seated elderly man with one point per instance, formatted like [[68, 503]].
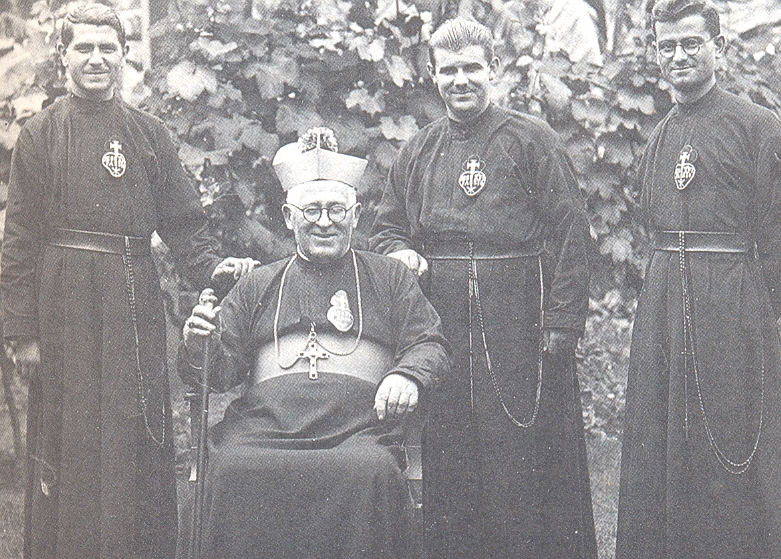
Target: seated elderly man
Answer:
[[334, 347]]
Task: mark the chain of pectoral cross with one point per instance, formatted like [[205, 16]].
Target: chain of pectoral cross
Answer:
[[314, 348]]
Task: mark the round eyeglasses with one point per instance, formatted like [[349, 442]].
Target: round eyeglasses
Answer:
[[312, 214], [690, 45]]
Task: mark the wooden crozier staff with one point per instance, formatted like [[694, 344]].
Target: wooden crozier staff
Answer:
[[199, 428]]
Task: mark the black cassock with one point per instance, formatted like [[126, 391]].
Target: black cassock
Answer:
[[301, 467], [688, 491], [101, 468], [492, 488]]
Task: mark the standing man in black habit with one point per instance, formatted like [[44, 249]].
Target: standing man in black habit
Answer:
[[701, 462], [91, 180], [484, 206]]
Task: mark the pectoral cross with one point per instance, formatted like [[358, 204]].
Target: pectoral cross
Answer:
[[312, 353]]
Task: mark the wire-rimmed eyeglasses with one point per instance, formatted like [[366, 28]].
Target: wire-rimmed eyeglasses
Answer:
[[690, 45], [312, 214]]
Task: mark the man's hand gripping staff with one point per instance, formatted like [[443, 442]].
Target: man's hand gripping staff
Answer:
[[198, 330]]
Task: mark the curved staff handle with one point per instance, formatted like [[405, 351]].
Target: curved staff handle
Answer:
[[199, 408]]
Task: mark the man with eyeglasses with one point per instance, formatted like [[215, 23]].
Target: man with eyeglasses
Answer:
[[334, 348], [483, 204], [701, 463]]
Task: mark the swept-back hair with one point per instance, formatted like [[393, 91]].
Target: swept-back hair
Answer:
[[457, 34], [668, 11], [92, 14]]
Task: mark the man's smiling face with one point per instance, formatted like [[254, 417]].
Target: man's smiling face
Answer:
[[464, 80], [94, 58], [690, 75], [322, 240]]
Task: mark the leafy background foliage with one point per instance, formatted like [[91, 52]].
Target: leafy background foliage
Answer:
[[235, 87], [234, 81]]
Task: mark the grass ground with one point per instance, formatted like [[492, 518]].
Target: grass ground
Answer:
[[604, 459], [11, 494]]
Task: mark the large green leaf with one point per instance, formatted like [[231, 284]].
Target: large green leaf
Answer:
[[556, 93], [272, 76], [593, 113], [188, 80], [29, 104], [618, 149], [582, 152], [632, 100], [214, 50], [16, 71], [368, 49], [292, 118], [9, 132], [610, 213], [224, 132], [361, 98], [385, 154], [256, 138], [618, 246], [193, 158], [398, 70], [246, 192], [402, 130], [330, 41], [225, 92], [604, 180], [351, 134]]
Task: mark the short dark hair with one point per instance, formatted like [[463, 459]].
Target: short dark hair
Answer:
[[92, 14], [667, 11], [457, 34]]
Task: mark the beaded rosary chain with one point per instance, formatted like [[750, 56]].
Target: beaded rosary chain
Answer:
[[474, 292], [131, 299], [735, 468]]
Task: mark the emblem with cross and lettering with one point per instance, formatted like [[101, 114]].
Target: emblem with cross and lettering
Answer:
[[339, 314], [472, 180], [684, 169], [313, 353], [114, 161]]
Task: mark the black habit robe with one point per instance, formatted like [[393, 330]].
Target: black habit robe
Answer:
[[676, 500], [300, 467], [101, 469], [491, 488]]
